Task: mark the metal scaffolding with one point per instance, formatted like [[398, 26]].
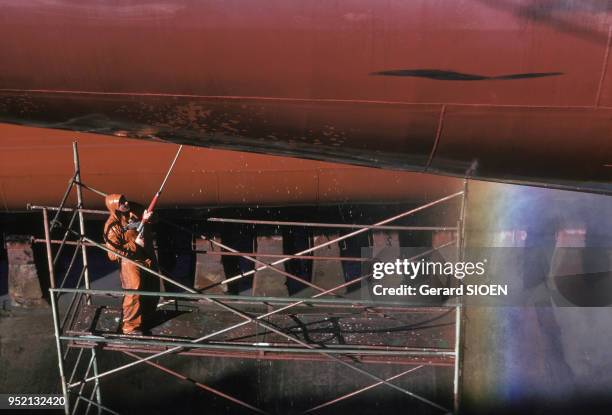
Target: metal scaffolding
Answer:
[[261, 317]]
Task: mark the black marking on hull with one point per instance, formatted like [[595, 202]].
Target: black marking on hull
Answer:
[[441, 75]]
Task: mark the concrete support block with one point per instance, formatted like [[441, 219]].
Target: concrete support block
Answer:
[[267, 281], [209, 267], [386, 245], [23, 282], [327, 273]]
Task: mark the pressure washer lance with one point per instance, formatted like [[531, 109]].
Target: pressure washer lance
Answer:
[[149, 210]]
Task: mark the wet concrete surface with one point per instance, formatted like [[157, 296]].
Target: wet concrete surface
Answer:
[[28, 357]]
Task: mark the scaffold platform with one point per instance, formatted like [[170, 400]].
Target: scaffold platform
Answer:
[[392, 335]]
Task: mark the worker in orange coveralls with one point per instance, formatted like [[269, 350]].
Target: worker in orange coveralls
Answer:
[[121, 236]]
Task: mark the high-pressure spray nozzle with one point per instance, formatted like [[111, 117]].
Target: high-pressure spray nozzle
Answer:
[[149, 211]]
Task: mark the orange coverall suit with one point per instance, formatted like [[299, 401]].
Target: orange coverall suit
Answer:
[[138, 311]]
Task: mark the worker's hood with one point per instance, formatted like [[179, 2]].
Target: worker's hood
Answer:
[[112, 204]]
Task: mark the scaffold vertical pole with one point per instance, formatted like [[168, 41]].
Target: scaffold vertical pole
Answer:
[[459, 305], [54, 312], [48, 246], [79, 191], [60, 359]]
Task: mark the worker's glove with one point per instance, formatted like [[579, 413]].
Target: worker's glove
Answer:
[[140, 241], [146, 215]]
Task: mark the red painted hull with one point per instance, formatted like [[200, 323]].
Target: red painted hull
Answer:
[[505, 90]]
